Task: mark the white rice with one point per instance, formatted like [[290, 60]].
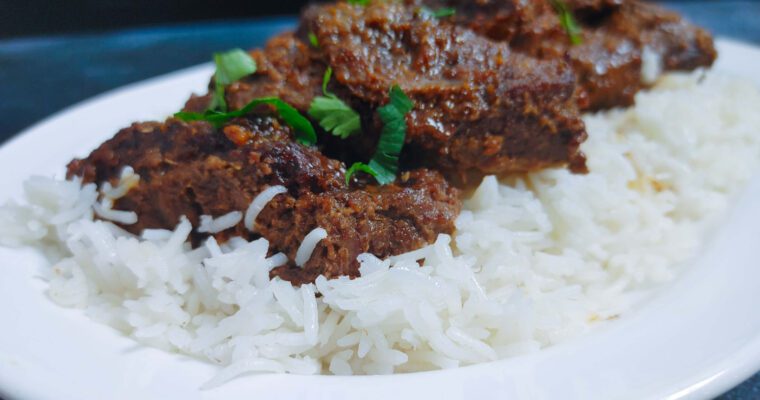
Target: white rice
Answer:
[[127, 180], [258, 204], [104, 210], [309, 243], [210, 224], [651, 66], [535, 260]]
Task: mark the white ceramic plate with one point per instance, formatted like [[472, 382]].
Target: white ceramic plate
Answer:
[[698, 338]]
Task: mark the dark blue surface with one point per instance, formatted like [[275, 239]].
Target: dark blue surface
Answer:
[[39, 76]]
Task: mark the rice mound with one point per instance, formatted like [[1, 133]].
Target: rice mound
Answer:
[[535, 260]]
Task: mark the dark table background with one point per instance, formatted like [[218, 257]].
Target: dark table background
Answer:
[[56, 53]]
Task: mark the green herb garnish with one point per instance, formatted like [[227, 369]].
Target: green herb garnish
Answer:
[[442, 12], [230, 66], [359, 2], [384, 163], [359, 166], [313, 40], [568, 22], [304, 132], [334, 115]]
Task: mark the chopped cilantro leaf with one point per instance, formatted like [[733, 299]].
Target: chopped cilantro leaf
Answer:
[[301, 126], [442, 12], [326, 80], [333, 114], [313, 40], [384, 163], [568, 22], [230, 66], [359, 166]]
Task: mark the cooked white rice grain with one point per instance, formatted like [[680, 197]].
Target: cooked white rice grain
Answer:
[[309, 243], [105, 211], [127, 180], [258, 204], [210, 224], [651, 65]]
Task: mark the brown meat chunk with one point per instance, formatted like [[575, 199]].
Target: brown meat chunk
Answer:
[[480, 108], [608, 62], [192, 169], [683, 46]]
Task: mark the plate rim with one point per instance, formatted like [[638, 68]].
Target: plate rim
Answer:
[[731, 371]]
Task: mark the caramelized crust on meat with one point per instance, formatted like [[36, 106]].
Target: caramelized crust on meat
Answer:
[[192, 169]]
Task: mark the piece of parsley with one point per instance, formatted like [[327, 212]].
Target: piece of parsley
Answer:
[[359, 166], [313, 40], [384, 163], [301, 126], [359, 2], [442, 12], [230, 66], [568, 22], [333, 114]]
